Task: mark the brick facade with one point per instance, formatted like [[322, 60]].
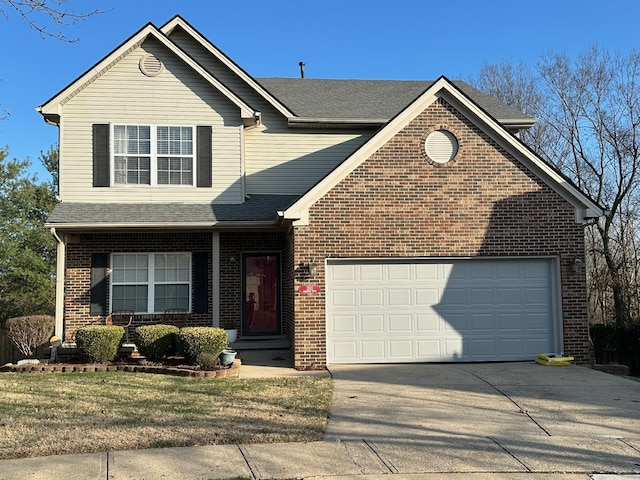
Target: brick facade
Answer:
[[232, 246], [399, 203], [78, 269]]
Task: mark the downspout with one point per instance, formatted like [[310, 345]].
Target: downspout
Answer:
[[61, 253]]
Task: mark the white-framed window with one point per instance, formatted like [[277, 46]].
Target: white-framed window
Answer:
[[150, 282], [153, 155]]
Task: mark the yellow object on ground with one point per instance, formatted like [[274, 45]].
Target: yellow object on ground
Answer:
[[553, 360]]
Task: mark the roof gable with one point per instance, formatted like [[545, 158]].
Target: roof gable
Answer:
[[443, 88], [179, 22], [51, 109]]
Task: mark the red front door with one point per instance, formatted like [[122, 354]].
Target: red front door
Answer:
[[261, 294]]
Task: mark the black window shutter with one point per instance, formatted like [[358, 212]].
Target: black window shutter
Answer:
[[200, 282], [101, 155], [204, 156], [98, 284]]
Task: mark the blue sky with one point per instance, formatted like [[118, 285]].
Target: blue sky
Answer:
[[394, 39]]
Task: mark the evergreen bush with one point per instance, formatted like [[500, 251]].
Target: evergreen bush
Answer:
[[192, 341], [99, 343], [156, 341]]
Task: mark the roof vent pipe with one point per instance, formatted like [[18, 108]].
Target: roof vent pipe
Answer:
[[302, 64]]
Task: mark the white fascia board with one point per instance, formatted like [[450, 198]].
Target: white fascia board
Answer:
[[248, 79], [53, 105], [544, 171]]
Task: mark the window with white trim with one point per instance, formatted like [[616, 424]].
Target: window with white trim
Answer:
[[150, 282], [153, 155]]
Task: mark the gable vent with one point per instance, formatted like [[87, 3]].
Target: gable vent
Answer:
[[441, 146], [151, 65]]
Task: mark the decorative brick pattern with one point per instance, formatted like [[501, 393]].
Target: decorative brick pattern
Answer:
[[398, 204]]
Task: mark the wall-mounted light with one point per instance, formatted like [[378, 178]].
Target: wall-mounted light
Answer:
[[313, 268], [577, 264]]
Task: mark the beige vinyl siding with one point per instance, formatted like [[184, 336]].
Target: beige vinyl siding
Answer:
[[278, 159], [292, 161], [123, 95]]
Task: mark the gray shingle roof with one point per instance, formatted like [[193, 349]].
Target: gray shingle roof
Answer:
[[368, 99], [257, 208]]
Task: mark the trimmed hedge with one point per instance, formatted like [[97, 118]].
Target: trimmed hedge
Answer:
[[99, 343], [156, 341], [192, 341]]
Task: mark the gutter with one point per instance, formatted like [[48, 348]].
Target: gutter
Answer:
[[163, 225]]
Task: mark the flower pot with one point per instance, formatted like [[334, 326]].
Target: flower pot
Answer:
[[227, 357], [232, 335]]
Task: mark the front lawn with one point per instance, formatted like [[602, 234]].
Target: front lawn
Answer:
[[51, 414]]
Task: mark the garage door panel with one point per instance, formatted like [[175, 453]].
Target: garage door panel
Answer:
[[427, 323], [482, 348], [480, 271], [399, 272], [401, 349], [372, 324], [343, 324], [422, 310], [373, 351], [453, 297], [401, 323], [483, 322], [400, 297], [512, 347], [509, 296], [345, 351], [343, 273], [427, 297], [343, 298], [371, 298], [370, 272], [537, 295], [511, 322], [481, 296]]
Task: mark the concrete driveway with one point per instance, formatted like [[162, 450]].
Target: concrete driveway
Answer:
[[497, 417]]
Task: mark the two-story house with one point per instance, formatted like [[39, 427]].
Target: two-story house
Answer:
[[365, 221]]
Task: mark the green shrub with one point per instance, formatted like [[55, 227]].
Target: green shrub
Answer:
[[192, 341], [99, 343], [207, 361], [30, 332], [156, 341]]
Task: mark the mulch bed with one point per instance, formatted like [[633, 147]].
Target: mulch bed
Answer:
[[171, 367]]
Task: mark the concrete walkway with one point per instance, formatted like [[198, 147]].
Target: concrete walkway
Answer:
[[467, 421]]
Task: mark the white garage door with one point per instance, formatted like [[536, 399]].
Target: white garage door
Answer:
[[426, 311]]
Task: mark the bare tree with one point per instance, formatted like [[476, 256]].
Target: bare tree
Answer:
[[589, 126], [40, 14]]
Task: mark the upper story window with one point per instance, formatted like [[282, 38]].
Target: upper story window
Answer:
[[153, 155]]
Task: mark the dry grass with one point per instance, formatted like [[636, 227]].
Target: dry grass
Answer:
[[51, 414]]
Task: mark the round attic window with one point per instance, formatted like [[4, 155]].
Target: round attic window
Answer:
[[441, 146], [151, 65]]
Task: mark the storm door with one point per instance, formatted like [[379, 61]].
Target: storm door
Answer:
[[261, 294]]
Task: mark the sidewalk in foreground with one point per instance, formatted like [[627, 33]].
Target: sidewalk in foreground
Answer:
[[335, 460]]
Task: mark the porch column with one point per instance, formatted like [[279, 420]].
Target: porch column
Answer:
[[61, 252], [215, 278]]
